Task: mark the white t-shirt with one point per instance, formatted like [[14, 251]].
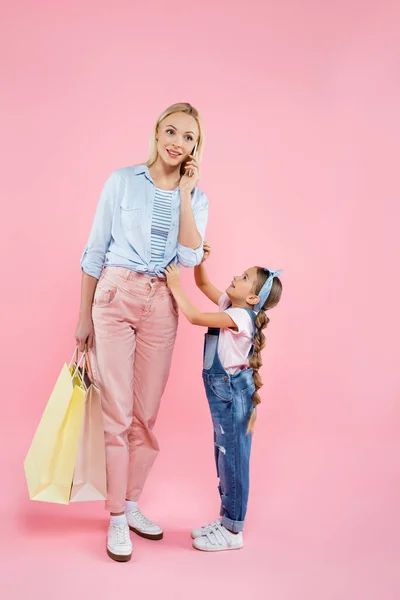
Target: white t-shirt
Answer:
[[234, 346]]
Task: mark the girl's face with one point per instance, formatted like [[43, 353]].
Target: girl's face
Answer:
[[241, 290], [176, 138]]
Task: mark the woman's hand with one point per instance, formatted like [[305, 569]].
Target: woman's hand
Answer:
[[187, 184], [173, 276], [84, 332], [207, 251]]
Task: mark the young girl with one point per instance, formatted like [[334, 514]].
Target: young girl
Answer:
[[232, 359], [148, 216]]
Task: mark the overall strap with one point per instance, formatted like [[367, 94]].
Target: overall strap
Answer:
[[213, 331], [211, 346]]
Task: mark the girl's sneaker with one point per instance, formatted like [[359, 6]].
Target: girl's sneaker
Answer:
[[202, 530], [217, 538]]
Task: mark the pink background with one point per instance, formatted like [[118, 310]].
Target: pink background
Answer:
[[301, 106]]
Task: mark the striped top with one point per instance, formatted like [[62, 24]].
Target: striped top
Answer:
[[160, 224]]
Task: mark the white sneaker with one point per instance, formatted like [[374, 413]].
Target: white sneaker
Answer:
[[218, 538], [142, 526], [119, 545], [202, 530]]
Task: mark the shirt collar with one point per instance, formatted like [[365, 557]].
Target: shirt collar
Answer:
[[143, 170]]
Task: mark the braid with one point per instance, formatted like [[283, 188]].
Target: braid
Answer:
[[261, 322]]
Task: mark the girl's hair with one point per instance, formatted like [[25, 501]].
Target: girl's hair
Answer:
[[183, 107], [261, 322]]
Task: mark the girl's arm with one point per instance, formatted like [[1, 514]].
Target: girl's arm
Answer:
[[193, 314], [202, 280]]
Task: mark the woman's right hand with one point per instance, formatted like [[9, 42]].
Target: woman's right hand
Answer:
[[84, 332]]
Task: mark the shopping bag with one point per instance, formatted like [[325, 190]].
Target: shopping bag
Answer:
[[50, 462], [89, 480]]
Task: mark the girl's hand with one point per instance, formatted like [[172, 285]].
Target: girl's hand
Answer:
[[207, 251], [84, 332], [187, 184], [173, 276]]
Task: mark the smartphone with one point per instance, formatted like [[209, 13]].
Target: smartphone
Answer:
[[190, 172]]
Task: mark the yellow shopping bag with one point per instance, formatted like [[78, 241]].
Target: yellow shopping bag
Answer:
[[50, 462]]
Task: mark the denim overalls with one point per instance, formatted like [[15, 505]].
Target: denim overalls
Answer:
[[230, 401]]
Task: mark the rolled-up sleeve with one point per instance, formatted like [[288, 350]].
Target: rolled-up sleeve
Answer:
[[189, 257], [100, 235]]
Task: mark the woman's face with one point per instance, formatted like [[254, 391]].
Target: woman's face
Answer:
[[176, 138]]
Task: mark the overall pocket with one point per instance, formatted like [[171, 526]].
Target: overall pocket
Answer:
[[247, 403], [221, 387]]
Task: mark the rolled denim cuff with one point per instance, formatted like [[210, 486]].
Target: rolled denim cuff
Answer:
[[235, 526]]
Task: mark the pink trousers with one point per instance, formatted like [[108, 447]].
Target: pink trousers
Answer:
[[135, 320]]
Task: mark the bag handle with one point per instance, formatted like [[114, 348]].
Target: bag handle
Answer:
[[87, 363], [74, 357], [82, 362], [79, 363]]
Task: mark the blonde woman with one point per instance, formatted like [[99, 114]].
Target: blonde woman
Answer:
[[149, 216]]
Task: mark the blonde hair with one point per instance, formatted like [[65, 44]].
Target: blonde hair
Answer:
[[183, 107]]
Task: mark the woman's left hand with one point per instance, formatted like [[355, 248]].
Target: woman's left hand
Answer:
[[173, 275], [187, 184]]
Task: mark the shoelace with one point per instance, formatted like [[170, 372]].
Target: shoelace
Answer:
[[122, 534], [142, 519], [217, 535]]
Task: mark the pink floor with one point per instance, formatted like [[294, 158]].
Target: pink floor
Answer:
[[321, 532]]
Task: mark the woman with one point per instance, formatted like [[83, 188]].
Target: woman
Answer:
[[148, 217]]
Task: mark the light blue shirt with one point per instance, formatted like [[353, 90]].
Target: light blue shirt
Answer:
[[121, 231]]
